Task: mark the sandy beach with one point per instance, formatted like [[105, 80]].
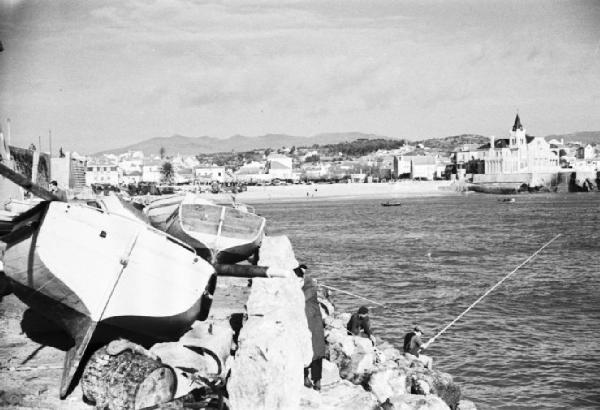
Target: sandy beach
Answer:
[[287, 193]]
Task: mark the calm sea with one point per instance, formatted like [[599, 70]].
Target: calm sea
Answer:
[[532, 343]]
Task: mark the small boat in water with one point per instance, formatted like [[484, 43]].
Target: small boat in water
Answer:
[[101, 276], [388, 203], [220, 234], [507, 200]]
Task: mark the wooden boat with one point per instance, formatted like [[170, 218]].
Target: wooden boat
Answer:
[[160, 209], [388, 203], [220, 234], [101, 276]]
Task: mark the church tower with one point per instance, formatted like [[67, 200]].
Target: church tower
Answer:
[[517, 134]]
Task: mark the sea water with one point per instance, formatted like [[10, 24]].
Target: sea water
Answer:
[[532, 343]]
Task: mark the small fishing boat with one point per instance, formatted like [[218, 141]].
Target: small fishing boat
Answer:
[[101, 276], [507, 200], [160, 209], [220, 234], [388, 203]]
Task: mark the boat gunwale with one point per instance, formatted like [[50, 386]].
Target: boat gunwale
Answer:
[[213, 251], [146, 225]]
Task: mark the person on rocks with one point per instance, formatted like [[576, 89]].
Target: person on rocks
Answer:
[[359, 324], [315, 325], [413, 345]]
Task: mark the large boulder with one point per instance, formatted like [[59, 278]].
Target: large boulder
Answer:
[[415, 402], [355, 356], [466, 405], [388, 382], [425, 381], [277, 252], [341, 396], [331, 373]]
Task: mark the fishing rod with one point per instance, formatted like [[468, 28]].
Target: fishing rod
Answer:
[[351, 294], [490, 290]]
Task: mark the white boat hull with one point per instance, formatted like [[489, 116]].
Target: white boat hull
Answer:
[[87, 269]]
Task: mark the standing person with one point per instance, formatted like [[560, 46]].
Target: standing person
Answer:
[[413, 345], [359, 324], [315, 325], [60, 193]]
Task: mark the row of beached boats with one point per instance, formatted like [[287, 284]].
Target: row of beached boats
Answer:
[[114, 270]]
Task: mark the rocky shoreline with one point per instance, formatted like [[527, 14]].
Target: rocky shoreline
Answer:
[[259, 343], [274, 346]]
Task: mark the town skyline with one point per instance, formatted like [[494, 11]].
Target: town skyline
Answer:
[[110, 74]]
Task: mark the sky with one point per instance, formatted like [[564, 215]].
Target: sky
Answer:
[[105, 74]]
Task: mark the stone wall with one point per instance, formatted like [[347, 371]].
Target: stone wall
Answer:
[[274, 343]]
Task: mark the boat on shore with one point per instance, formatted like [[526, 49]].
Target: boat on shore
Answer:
[[101, 276], [219, 233], [160, 209]]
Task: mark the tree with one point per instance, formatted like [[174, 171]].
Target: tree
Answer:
[[162, 151], [167, 172], [313, 158]]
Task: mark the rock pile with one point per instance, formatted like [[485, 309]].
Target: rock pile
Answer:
[[275, 346], [393, 380]]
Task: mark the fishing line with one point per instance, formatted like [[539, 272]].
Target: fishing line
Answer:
[[351, 294], [490, 290]]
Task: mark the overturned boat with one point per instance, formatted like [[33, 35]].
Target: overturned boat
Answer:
[[220, 234], [101, 276]]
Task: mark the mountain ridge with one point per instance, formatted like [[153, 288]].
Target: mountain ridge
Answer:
[[180, 144]]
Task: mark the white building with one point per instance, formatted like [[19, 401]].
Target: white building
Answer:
[[518, 154], [102, 171], [151, 170], [280, 167], [585, 152], [210, 173]]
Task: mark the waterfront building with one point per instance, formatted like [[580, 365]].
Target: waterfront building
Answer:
[[210, 173], [415, 166], [280, 167], [520, 153], [151, 170], [102, 171]]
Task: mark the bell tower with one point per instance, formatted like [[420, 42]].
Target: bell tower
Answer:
[[517, 134]]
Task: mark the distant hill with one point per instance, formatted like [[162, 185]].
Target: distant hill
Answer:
[[179, 144], [585, 137], [448, 144]]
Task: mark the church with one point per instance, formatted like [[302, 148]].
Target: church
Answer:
[[518, 154]]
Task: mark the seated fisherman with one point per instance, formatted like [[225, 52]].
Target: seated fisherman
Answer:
[[359, 324], [413, 345]]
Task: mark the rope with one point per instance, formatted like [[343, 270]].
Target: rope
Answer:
[[351, 294], [490, 290]]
